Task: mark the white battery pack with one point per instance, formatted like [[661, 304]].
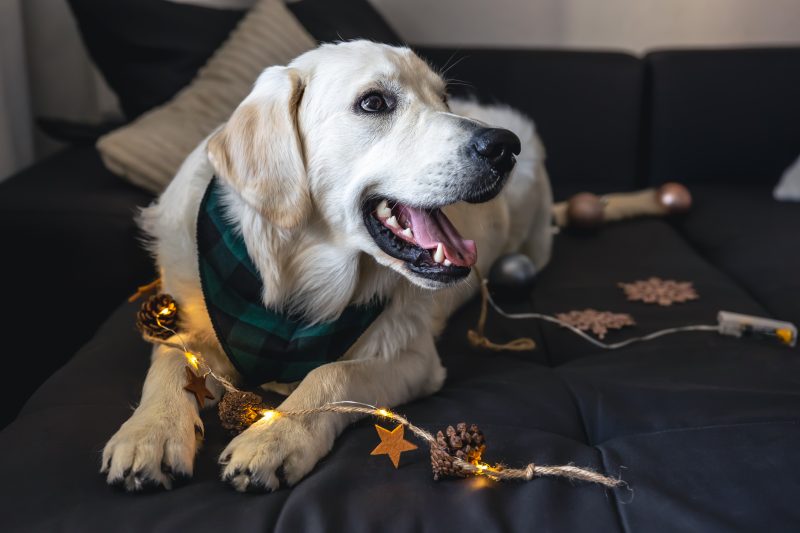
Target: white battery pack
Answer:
[[738, 325]]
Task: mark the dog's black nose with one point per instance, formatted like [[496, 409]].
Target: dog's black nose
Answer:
[[497, 146]]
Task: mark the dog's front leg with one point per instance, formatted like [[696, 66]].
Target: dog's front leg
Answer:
[[293, 445], [158, 442]]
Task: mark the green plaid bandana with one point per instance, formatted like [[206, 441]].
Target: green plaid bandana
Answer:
[[263, 345]]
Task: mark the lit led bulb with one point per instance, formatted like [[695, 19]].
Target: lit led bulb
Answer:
[[270, 414]]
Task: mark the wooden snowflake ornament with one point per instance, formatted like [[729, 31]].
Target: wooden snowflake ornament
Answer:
[[660, 291], [598, 322]]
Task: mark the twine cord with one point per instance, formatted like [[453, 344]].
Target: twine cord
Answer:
[[497, 472], [477, 336], [200, 361]]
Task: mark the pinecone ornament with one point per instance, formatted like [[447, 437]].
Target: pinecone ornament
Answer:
[[157, 316], [238, 410], [463, 442]]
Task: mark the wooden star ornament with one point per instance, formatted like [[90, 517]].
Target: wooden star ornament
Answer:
[[392, 443], [197, 386]]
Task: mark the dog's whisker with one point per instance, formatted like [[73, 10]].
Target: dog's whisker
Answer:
[[443, 69], [466, 85], [455, 63]]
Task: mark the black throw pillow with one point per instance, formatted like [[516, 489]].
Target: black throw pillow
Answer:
[[148, 50], [337, 20]]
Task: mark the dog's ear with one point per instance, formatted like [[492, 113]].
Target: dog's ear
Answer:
[[258, 151]]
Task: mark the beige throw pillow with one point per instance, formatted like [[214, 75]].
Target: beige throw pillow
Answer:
[[149, 151]]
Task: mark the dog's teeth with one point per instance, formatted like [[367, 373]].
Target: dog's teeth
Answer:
[[408, 233], [392, 222], [439, 255], [448, 263], [383, 210]]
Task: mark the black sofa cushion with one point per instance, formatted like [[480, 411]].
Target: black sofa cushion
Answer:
[[753, 238], [723, 116], [148, 50], [71, 253], [586, 106], [703, 427]]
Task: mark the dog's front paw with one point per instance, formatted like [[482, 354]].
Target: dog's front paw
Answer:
[[152, 449], [255, 459]]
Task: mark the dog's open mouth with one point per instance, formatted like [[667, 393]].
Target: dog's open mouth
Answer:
[[422, 237]]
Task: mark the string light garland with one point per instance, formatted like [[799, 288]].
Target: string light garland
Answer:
[[477, 337], [588, 338], [654, 290], [240, 409], [243, 409], [497, 472]]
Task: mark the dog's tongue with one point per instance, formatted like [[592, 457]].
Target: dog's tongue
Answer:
[[433, 227]]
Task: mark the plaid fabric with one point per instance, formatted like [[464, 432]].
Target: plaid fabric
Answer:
[[264, 345]]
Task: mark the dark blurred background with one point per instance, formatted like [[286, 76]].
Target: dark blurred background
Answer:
[[45, 70]]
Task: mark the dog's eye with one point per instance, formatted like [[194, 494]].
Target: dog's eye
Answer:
[[374, 103]]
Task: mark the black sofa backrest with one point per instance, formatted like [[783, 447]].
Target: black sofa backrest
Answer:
[[722, 116], [586, 106]]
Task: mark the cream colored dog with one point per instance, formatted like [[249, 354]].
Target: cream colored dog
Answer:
[[338, 171]]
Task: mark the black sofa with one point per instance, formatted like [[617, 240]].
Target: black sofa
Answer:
[[705, 429]]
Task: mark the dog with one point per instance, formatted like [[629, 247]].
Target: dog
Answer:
[[350, 179]]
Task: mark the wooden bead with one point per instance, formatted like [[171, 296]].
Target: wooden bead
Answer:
[[585, 210], [674, 197]]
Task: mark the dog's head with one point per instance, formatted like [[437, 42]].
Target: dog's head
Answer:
[[359, 135]]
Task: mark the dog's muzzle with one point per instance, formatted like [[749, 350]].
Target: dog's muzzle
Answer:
[[493, 152]]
